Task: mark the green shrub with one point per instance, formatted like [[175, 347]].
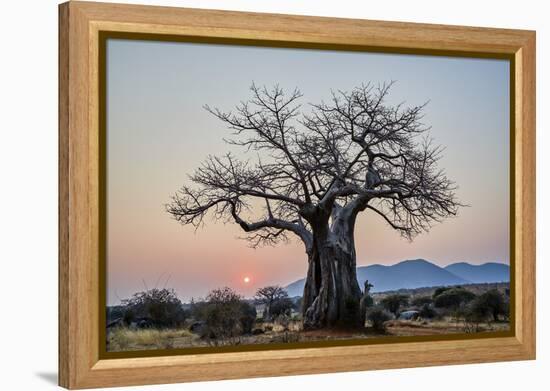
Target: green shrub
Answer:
[[248, 317], [226, 316], [162, 306], [440, 290], [453, 298], [490, 304], [270, 296], [222, 313], [377, 317], [298, 305], [281, 306], [420, 301], [427, 312], [393, 303]]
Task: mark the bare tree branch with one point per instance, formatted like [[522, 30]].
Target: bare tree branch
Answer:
[[354, 152]]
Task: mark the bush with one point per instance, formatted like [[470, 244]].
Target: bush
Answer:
[[283, 321], [222, 313], [225, 315], [129, 316], [440, 290], [453, 298], [367, 301], [269, 296], [421, 301], [377, 317], [115, 312], [490, 304], [427, 312], [248, 317], [393, 303], [298, 305], [282, 306], [161, 306]]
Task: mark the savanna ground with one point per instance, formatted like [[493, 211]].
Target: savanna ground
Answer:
[[288, 328], [126, 339]]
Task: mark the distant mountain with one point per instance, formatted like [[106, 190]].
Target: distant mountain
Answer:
[[419, 273], [407, 274], [296, 288], [488, 272]]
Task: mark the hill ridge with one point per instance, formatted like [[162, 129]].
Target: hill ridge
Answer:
[[416, 273]]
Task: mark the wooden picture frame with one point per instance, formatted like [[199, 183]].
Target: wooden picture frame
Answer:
[[81, 24]]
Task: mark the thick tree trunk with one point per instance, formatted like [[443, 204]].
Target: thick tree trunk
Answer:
[[331, 293]]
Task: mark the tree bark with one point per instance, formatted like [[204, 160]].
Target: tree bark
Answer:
[[331, 292]]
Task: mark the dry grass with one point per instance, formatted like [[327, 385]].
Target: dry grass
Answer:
[[123, 338], [440, 327]]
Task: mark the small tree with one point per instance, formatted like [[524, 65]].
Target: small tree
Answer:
[[248, 317], [223, 313], [366, 301], [440, 290], [421, 301], [377, 317], [268, 296], [453, 298], [282, 306], [490, 304], [393, 303], [298, 305], [115, 312], [162, 306], [427, 312]]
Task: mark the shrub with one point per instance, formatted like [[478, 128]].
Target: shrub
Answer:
[[282, 306], [427, 312], [440, 290], [367, 301], [393, 303], [453, 298], [377, 317], [115, 312], [248, 317], [296, 318], [298, 304], [129, 316], [161, 306], [222, 313], [225, 315], [269, 296], [421, 301], [283, 321], [490, 304]]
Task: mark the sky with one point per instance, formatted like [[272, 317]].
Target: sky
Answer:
[[158, 133]]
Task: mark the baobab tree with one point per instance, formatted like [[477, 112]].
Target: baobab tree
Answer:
[[309, 173], [269, 295]]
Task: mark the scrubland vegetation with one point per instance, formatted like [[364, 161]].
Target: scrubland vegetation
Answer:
[[157, 319]]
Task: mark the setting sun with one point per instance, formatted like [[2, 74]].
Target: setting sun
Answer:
[[246, 280]]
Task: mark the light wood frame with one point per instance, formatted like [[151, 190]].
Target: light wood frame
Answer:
[[80, 23]]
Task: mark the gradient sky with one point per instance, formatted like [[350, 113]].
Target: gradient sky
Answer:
[[158, 132]]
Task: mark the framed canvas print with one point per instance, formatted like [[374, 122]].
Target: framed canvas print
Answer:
[[247, 195]]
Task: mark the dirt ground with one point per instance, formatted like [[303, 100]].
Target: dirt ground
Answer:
[[128, 340]]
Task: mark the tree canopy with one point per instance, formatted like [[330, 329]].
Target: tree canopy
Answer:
[[352, 153]]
